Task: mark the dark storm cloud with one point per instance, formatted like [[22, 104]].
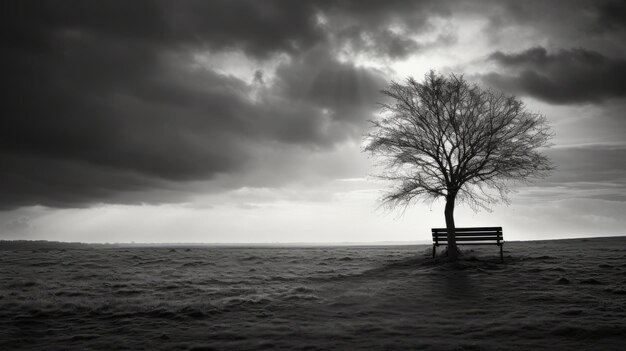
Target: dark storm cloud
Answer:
[[564, 76], [384, 28], [560, 20], [590, 163], [612, 15], [319, 78], [386, 43], [589, 171], [259, 28], [106, 103], [30, 180]]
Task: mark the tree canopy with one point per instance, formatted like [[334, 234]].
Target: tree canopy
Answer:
[[445, 137]]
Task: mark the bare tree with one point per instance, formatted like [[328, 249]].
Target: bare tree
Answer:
[[447, 138]]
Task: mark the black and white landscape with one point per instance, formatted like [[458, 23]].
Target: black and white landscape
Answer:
[[241, 175]]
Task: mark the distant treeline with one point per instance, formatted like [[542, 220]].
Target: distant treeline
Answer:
[[43, 244]]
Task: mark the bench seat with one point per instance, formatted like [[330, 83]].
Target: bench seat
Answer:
[[470, 236]]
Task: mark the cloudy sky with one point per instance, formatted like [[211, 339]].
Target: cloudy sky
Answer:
[[242, 121]]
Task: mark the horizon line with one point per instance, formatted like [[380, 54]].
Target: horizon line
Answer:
[[279, 244]]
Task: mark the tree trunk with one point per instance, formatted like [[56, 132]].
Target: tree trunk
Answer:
[[453, 252]]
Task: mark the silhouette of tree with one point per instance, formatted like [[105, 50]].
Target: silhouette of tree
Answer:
[[447, 138]]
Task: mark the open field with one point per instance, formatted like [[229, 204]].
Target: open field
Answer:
[[565, 293]]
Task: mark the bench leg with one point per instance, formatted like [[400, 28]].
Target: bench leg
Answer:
[[501, 256], [434, 250]]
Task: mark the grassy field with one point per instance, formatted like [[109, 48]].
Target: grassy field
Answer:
[[569, 294]]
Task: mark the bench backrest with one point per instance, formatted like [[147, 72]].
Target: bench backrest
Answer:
[[476, 236]]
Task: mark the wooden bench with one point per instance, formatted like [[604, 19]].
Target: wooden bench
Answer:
[[470, 236]]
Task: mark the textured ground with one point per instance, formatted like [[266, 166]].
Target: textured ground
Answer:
[[570, 294]]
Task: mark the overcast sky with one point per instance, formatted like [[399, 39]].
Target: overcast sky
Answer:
[[242, 121]]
